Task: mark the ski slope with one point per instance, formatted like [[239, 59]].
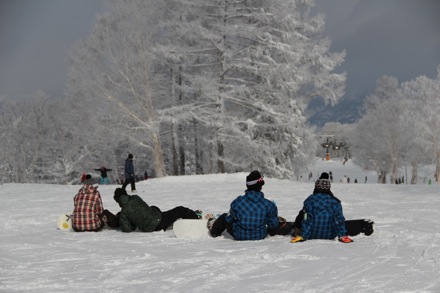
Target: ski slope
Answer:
[[403, 255]]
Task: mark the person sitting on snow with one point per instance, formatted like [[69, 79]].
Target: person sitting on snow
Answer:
[[321, 216], [136, 213], [251, 216], [88, 213]]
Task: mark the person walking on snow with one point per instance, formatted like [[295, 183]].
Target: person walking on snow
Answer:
[[129, 174], [251, 216], [321, 216], [136, 213]]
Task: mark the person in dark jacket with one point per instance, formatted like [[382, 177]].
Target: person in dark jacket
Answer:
[[321, 216], [130, 177], [104, 178], [136, 213], [251, 216]]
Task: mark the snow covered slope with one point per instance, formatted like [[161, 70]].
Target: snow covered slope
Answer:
[[403, 255]]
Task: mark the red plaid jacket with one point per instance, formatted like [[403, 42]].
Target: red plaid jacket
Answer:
[[88, 209]]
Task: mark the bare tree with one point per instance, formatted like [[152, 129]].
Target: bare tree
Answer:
[[113, 65]]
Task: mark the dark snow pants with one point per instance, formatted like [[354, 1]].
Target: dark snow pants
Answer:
[[169, 217]]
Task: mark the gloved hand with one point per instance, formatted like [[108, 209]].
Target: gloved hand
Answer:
[[345, 239], [297, 239]]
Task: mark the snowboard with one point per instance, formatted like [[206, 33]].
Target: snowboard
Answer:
[[198, 228], [191, 228], [353, 227], [64, 222]]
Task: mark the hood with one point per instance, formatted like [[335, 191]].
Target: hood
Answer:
[[122, 200], [253, 195]]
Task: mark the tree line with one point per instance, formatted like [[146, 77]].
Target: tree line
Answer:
[[188, 87], [400, 129]]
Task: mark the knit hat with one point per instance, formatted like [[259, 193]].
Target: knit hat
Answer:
[[130, 156], [254, 181], [89, 180], [323, 183]]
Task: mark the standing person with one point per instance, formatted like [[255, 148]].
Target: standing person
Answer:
[[88, 213], [129, 174], [104, 178], [321, 216], [251, 216], [136, 213]]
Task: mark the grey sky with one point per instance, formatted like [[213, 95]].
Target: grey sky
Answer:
[[400, 38], [35, 36]]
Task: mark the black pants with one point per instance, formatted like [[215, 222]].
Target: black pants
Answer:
[[112, 220], [131, 181], [169, 217], [220, 225], [299, 219]]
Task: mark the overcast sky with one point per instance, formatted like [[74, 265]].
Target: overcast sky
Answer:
[[400, 38]]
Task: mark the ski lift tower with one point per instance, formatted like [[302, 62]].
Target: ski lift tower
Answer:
[[327, 144]]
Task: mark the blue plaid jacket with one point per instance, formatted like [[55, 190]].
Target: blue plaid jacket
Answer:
[[323, 218], [251, 215]]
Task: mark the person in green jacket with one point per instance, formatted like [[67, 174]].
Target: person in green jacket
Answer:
[[136, 213]]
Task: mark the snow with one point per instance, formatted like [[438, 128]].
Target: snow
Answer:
[[403, 254]]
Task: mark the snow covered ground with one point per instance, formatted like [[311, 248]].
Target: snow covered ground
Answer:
[[403, 255]]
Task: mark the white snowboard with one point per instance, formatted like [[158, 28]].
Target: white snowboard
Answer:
[[64, 222], [191, 228]]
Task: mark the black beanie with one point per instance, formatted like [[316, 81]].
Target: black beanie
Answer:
[[254, 181], [130, 156], [324, 175], [118, 193]]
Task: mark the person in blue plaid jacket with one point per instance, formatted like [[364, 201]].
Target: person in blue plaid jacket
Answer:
[[321, 216], [251, 216]]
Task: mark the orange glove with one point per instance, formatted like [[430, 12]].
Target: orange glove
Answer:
[[297, 239], [345, 239]]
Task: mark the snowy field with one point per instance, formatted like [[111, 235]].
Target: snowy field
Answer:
[[403, 255]]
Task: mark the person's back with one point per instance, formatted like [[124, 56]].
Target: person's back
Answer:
[[88, 208], [324, 217], [136, 213], [322, 213], [251, 215]]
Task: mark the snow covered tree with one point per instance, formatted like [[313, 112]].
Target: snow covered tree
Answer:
[[423, 102], [246, 70], [222, 83], [379, 133], [111, 71], [416, 93]]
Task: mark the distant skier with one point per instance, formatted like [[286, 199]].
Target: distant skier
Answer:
[[104, 178], [129, 174]]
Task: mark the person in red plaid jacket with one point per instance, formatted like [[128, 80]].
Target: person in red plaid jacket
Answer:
[[89, 214]]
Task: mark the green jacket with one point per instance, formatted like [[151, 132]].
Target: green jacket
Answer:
[[135, 213]]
